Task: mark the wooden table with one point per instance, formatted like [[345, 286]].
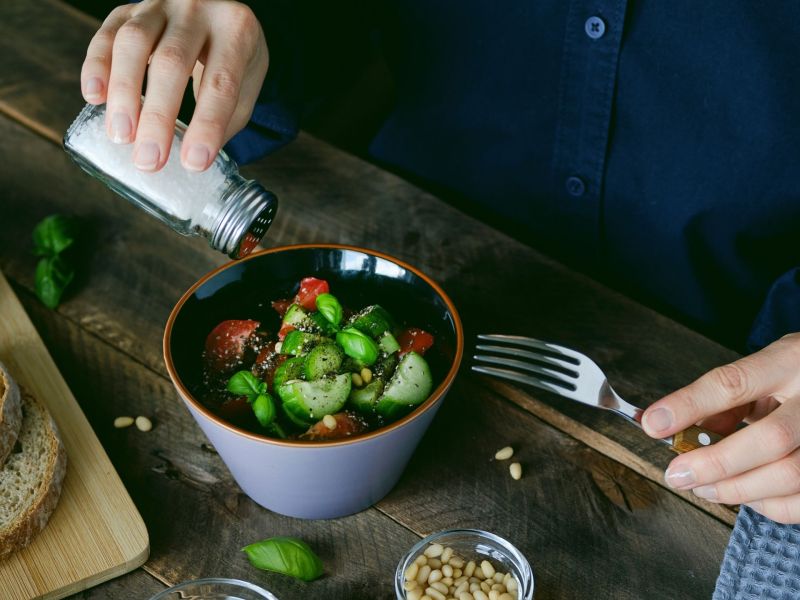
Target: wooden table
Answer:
[[591, 511]]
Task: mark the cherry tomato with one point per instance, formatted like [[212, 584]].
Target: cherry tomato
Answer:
[[236, 410], [414, 339], [310, 288], [347, 425], [286, 328], [281, 306], [226, 343]]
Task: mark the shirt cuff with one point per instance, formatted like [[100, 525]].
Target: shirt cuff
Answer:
[[780, 313], [272, 126]]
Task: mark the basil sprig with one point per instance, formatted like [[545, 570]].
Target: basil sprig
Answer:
[[285, 555], [329, 307], [358, 345], [244, 383], [51, 238]]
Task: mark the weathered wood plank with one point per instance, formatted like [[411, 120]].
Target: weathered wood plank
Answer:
[[570, 510]]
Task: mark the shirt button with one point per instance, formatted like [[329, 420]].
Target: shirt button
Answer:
[[575, 186], [595, 27]]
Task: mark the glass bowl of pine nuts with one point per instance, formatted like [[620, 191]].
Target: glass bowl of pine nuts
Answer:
[[465, 564]]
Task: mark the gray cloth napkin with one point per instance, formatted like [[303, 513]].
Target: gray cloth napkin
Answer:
[[762, 560]]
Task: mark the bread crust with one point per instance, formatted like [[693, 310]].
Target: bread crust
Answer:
[[10, 413], [22, 531]]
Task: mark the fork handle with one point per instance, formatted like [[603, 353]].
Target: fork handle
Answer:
[[693, 437]]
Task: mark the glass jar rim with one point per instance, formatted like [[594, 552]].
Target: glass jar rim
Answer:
[[523, 566], [266, 594]]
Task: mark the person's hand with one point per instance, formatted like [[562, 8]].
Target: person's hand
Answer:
[[218, 42], [758, 465]]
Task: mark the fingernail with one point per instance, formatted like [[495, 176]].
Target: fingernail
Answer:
[[121, 128], [196, 157], [679, 478], [146, 156], [93, 88], [707, 492], [658, 420]]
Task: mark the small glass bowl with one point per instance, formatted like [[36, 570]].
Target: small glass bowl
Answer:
[[477, 545], [214, 589]]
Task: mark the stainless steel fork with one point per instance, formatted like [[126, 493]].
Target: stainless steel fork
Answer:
[[569, 374]]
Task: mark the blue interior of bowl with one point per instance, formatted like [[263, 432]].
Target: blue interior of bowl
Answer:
[[245, 289]]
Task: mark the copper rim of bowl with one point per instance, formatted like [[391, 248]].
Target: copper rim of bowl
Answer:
[[435, 396]]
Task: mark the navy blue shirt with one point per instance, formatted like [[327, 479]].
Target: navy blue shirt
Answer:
[[656, 144]]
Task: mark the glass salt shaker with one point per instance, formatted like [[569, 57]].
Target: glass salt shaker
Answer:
[[231, 212]]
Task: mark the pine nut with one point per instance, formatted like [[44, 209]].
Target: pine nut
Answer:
[[447, 570], [411, 571], [143, 424], [498, 587], [421, 560], [474, 587], [504, 453], [329, 421], [435, 575], [434, 593], [516, 470], [479, 595], [457, 572], [122, 422], [507, 596], [512, 585], [425, 597], [465, 596], [413, 595], [357, 381], [438, 585], [435, 563], [494, 595], [422, 576], [278, 347], [434, 550], [461, 588], [448, 581], [487, 569], [456, 562], [366, 375], [469, 569], [498, 577], [410, 585], [447, 554]]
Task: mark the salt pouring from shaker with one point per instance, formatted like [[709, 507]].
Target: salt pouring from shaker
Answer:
[[231, 212]]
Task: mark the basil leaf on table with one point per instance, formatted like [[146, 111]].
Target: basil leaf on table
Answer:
[[358, 345], [244, 383], [53, 235], [285, 555], [264, 408], [52, 277], [329, 307]]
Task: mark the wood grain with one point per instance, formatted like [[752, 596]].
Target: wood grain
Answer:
[[95, 532]]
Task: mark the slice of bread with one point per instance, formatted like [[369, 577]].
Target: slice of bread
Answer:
[[10, 413], [31, 478]]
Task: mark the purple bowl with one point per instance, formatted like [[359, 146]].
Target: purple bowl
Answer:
[[313, 480]]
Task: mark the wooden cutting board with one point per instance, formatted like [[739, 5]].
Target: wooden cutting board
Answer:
[[95, 533]]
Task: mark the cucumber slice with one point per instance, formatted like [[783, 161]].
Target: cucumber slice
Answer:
[[364, 399], [373, 321], [299, 342], [385, 366], [388, 343], [291, 369], [323, 360], [297, 317], [309, 401], [410, 386]]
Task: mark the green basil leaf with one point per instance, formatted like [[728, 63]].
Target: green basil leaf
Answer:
[[329, 307], [244, 383], [357, 345], [275, 429], [53, 275], [264, 408], [53, 235], [285, 555], [326, 327]]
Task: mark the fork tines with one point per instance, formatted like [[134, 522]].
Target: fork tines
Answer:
[[544, 365]]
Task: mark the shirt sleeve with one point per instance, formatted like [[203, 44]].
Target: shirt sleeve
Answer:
[[780, 313]]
